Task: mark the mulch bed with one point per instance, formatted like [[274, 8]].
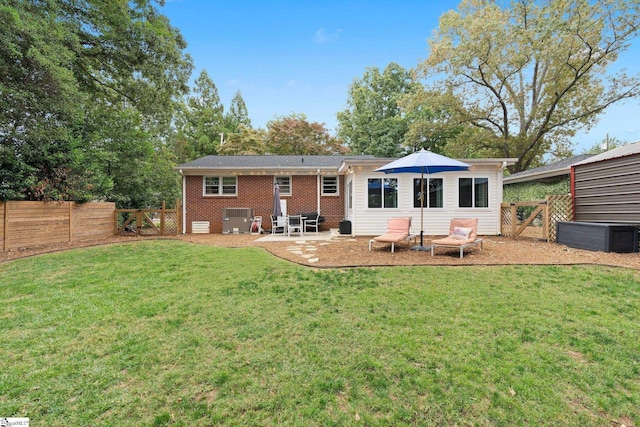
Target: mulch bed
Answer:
[[353, 252]]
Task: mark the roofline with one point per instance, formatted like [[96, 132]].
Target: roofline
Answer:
[[347, 163], [377, 162], [537, 175], [244, 170]]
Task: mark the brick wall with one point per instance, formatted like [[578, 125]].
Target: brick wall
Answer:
[[257, 192]]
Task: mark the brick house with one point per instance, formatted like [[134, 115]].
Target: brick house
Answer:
[[307, 184], [339, 188]]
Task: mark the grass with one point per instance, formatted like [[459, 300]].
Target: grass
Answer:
[[168, 333]]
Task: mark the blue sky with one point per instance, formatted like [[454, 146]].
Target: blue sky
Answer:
[[289, 56]]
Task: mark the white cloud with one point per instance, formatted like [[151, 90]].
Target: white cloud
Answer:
[[321, 36]]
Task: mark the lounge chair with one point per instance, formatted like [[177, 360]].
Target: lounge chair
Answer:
[[462, 234], [398, 230]]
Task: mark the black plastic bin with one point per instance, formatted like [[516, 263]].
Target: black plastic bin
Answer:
[[598, 236], [344, 227]]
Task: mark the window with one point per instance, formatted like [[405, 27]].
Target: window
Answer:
[[329, 185], [434, 189], [220, 185], [284, 182], [382, 192], [473, 192]]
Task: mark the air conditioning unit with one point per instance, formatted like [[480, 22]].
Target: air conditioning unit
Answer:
[[237, 220]]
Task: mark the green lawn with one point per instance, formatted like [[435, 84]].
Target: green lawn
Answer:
[[170, 333]]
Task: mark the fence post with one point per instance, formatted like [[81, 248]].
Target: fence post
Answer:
[[514, 221], [546, 219], [179, 218], [70, 221], [5, 225], [162, 214]]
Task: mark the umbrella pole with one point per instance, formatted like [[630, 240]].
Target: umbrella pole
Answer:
[[421, 208], [421, 247]]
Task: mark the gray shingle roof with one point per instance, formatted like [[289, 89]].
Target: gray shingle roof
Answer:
[[561, 167], [268, 162]]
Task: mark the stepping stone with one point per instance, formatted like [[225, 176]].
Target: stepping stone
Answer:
[[306, 255], [297, 252], [312, 260]]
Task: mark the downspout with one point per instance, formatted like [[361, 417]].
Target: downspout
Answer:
[[501, 189], [184, 202], [572, 190], [319, 190]]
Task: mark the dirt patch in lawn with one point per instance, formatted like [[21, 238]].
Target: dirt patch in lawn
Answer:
[[351, 252]]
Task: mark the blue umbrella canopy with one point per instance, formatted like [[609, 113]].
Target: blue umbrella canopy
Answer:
[[423, 162]]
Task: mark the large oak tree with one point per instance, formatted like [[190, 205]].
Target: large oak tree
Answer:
[[525, 76]]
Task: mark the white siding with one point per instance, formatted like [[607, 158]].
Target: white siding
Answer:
[[368, 222]]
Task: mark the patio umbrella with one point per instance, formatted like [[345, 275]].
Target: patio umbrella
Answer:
[[423, 162], [277, 208]]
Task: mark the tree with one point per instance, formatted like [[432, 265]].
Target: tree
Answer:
[[529, 76], [200, 121], [68, 68], [246, 141], [608, 143], [238, 114], [373, 122], [293, 134]]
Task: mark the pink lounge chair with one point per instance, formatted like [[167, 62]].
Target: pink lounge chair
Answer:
[[398, 229], [462, 234]]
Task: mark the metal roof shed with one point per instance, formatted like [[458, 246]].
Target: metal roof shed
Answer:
[[606, 187]]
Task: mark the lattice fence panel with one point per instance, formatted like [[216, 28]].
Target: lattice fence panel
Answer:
[[171, 223], [560, 209], [506, 222]]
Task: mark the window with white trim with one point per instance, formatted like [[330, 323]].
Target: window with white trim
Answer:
[[330, 186], [473, 192], [382, 193], [434, 193], [284, 182], [220, 185]]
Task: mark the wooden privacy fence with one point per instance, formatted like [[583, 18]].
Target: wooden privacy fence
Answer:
[[148, 222], [26, 224], [536, 218]]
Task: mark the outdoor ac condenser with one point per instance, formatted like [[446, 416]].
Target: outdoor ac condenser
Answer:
[[237, 220]]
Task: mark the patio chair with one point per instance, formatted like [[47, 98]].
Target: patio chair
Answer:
[[398, 230], [311, 222], [295, 225], [278, 225], [462, 234]]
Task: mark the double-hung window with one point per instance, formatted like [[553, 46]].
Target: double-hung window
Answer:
[[220, 186], [330, 186], [382, 193], [433, 189], [473, 192], [284, 182]]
